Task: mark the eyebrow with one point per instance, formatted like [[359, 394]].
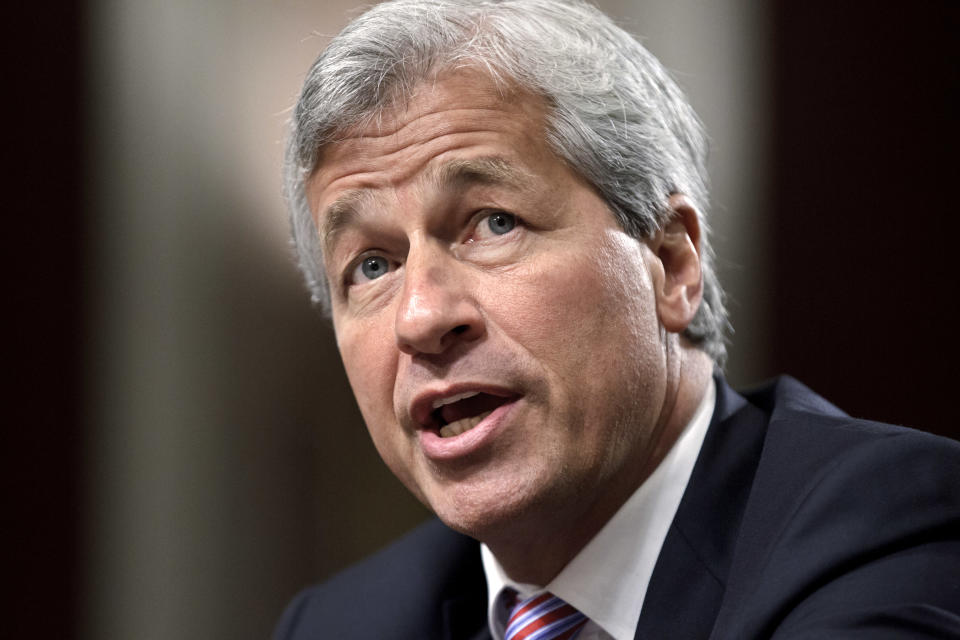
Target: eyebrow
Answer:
[[339, 215], [454, 175], [488, 170]]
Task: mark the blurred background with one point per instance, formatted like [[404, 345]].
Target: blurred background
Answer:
[[183, 452]]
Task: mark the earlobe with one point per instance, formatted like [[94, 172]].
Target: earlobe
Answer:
[[677, 246]]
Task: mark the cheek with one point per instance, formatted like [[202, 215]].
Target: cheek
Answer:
[[371, 365], [370, 359], [573, 306]]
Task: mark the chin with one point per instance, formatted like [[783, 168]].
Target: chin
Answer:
[[487, 510]]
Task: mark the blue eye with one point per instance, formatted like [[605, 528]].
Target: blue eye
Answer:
[[373, 267], [501, 222]]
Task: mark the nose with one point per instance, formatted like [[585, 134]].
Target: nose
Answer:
[[436, 309]]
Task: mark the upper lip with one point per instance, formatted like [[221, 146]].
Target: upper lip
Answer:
[[422, 407]]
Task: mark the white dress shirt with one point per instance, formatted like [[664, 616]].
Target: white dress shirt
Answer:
[[608, 579]]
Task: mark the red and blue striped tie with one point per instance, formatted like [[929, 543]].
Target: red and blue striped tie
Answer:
[[544, 617]]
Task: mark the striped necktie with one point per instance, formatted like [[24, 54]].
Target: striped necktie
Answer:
[[544, 617]]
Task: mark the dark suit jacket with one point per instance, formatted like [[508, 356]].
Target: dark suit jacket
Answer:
[[798, 522]]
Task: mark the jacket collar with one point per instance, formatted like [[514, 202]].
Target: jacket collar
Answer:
[[690, 577]]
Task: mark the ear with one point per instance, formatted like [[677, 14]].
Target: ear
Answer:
[[677, 246]]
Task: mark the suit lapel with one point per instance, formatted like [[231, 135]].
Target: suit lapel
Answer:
[[483, 634], [464, 606], [465, 616], [689, 578]]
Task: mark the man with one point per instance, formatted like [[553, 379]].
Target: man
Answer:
[[502, 205]]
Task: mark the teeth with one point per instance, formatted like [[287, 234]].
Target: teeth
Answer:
[[460, 396], [462, 425]]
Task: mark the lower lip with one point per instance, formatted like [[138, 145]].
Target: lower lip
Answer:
[[440, 449]]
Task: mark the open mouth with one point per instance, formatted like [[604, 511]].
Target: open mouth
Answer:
[[462, 412]]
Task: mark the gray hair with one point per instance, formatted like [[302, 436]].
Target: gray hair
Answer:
[[614, 114]]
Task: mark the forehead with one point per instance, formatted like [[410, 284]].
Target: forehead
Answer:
[[454, 119]]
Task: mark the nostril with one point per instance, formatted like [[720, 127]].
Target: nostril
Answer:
[[460, 329]]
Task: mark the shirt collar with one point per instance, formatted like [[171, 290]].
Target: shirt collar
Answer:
[[608, 579]]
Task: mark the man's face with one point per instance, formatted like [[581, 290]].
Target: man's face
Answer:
[[498, 328]]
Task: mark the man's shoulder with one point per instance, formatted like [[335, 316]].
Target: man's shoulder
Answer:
[[817, 463], [403, 588], [810, 438], [845, 515]]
